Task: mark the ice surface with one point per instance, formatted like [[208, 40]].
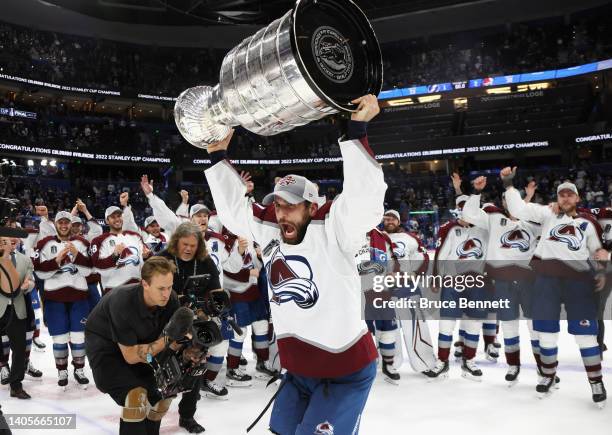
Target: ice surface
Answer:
[[456, 406]]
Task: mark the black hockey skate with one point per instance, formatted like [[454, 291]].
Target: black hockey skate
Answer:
[[458, 349], [512, 375], [5, 374], [439, 371], [599, 394], [545, 387], [33, 372], [39, 346], [214, 390], [541, 375], [79, 375], [62, 380], [491, 353], [391, 374], [469, 370], [238, 378], [264, 371]]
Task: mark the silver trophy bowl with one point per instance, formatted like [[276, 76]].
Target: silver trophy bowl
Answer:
[[310, 63]]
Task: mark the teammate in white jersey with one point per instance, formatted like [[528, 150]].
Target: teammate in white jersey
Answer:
[[564, 276], [461, 250], [63, 263], [512, 243], [308, 252], [118, 255]]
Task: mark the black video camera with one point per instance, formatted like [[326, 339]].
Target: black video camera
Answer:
[[175, 372]]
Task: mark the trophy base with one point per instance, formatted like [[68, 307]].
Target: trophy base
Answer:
[[200, 116]]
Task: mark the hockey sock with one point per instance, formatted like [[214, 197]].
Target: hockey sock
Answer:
[[235, 350], [472, 335], [386, 344], [512, 344], [535, 343], [548, 353], [6, 350], [591, 356], [77, 348], [461, 338], [445, 338], [28, 349], [60, 350], [214, 360], [489, 330], [260, 340]]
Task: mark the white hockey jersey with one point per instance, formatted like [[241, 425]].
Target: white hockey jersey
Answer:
[[314, 285], [460, 249], [511, 243], [410, 252], [65, 282], [155, 244], [570, 239], [121, 269]]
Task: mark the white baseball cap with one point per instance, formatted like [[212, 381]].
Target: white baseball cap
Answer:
[[111, 210], [567, 186], [393, 213], [197, 208], [77, 220], [148, 221], [63, 215], [294, 189]]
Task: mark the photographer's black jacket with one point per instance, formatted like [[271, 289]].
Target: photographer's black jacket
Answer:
[[185, 269], [121, 316]]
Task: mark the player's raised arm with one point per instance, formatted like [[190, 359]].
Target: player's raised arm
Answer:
[[360, 206], [163, 215], [516, 206], [228, 190], [472, 212]]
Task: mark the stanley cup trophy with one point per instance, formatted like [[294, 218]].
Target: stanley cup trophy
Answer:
[[310, 63]]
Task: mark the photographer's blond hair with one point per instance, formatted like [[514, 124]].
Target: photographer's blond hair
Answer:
[[156, 266]]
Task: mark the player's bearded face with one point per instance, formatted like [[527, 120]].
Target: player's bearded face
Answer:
[[567, 201], [293, 219], [63, 227], [115, 221], [154, 229], [390, 224]]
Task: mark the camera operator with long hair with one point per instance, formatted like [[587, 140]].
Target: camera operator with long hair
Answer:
[[126, 329], [187, 250]]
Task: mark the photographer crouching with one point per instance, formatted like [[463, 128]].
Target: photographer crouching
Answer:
[[122, 334], [196, 281]]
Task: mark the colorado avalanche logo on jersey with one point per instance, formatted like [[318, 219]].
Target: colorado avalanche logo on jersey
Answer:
[[518, 239], [68, 268], [569, 234], [400, 249], [130, 255], [286, 285], [324, 429], [471, 248]]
